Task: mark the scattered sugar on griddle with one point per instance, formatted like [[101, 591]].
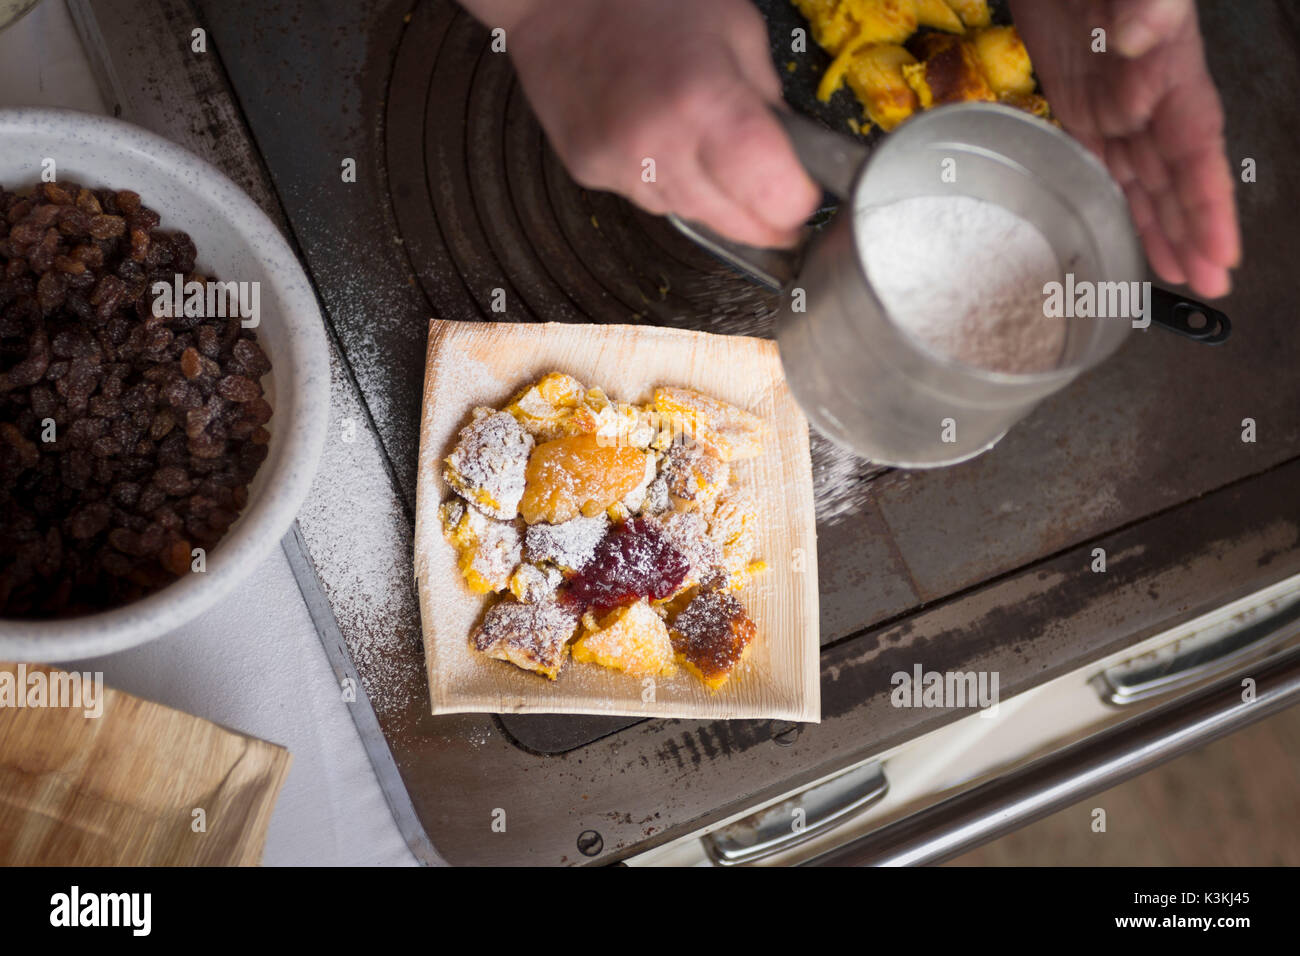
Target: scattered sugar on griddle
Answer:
[[568, 545], [487, 466]]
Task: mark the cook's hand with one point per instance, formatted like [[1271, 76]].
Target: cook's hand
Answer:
[[681, 82], [1149, 107]]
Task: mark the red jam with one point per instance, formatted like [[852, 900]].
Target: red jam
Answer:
[[635, 560]]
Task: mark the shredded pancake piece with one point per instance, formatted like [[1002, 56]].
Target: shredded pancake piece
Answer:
[[568, 545], [488, 550], [688, 532], [488, 464], [532, 636], [632, 639], [532, 584], [729, 432], [694, 474], [712, 635]]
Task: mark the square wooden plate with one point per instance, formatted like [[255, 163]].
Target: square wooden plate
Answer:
[[471, 364]]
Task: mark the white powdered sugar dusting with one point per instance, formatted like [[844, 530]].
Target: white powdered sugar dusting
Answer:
[[965, 278], [568, 545]]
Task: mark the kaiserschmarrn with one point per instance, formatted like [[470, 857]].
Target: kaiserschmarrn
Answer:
[[615, 534]]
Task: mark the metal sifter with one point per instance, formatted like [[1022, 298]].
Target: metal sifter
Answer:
[[862, 380]]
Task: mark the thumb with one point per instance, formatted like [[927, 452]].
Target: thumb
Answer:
[[1140, 25]]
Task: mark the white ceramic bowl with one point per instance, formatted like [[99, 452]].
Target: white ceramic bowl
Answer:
[[236, 241]]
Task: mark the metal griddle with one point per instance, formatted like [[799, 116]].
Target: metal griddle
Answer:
[[981, 566]]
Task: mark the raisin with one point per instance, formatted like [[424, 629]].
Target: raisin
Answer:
[[75, 224], [252, 357], [181, 394], [173, 481], [163, 422], [87, 202], [41, 258], [88, 254], [258, 411], [208, 445], [105, 446], [117, 564], [190, 364], [107, 227], [57, 194], [198, 419], [237, 388], [89, 521], [152, 538], [125, 493], [176, 557], [151, 499], [51, 291], [125, 540], [26, 233], [127, 200], [209, 344]]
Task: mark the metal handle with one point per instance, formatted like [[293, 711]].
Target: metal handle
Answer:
[[831, 159], [790, 823], [1210, 653], [1176, 313], [1075, 773]]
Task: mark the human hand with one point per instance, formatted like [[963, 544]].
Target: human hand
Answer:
[[1149, 108], [683, 83]]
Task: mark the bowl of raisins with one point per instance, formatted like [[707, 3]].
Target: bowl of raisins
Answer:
[[164, 385]]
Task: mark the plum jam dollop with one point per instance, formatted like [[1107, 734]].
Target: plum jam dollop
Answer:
[[634, 561]]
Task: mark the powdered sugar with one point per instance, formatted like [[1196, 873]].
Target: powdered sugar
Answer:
[[688, 532], [569, 544], [965, 278]]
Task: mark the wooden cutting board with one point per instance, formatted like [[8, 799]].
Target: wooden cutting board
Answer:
[[139, 785]]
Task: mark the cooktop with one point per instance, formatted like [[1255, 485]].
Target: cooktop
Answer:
[[985, 565]]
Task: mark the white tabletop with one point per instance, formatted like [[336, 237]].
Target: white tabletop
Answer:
[[253, 663]]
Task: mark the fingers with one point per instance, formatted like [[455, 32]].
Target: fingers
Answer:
[[1141, 25], [691, 133], [1160, 254], [1184, 210], [1204, 187], [698, 198], [1206, 278], [1174, 261], [1189, 129], [754, 58], [749, 161]]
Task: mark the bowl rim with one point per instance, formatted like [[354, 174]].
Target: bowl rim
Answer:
[[303, 409]]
